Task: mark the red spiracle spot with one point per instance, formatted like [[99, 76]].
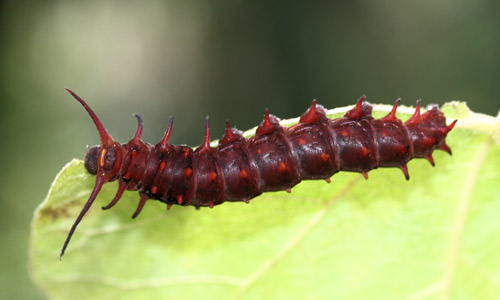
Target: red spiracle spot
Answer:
[[154, 189], [365, 151], [163, 165]]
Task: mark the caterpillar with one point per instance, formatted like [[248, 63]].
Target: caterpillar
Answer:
[[276, 158]]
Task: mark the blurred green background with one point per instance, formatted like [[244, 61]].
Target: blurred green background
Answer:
[[227, 59]]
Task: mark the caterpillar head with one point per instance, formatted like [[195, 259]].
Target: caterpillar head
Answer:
[[106, 160]]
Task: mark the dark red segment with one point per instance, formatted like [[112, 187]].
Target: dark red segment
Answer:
[[176, 181], [354, 138], [273, 158], [159, 190], [240, 173], [427, 131], [356, 145], [394, 144], [152, 164], [209, 178], [314, 149], [138, 163], [395, 147]]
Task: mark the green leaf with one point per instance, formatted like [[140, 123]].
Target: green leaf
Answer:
[[433, 237]]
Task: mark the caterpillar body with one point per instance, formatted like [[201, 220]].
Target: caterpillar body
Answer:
[[276, 158]]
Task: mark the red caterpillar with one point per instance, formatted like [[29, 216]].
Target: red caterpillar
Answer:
[[275, 159]]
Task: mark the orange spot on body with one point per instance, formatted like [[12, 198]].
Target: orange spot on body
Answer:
[[213, 176], [302, 141], [134, 153], [259, 151], [154, 189], [101, 157], [163, 165], [186, 152], [243, 174], [325, 157], [188, 172], [365, 151], [282, 167], [344, 132], [179, 199]]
